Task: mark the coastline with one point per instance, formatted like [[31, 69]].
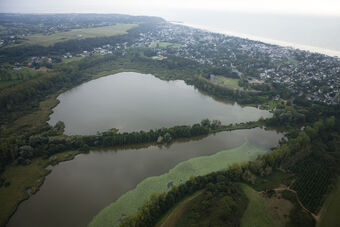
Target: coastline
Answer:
[[312, 49]]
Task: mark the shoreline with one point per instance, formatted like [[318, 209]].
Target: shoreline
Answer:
[[54, 160], [285, 44]]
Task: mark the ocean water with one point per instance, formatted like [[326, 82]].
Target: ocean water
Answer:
[[314, 33]]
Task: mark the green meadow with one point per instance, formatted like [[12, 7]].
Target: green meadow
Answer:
[[47, 40], [257, 214], [228, 81], [128, 203]]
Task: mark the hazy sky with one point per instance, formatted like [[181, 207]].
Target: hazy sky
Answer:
[[158, 7]]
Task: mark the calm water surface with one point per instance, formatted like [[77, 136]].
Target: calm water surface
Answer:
[[307, 32], [77, 190], [133, 101]]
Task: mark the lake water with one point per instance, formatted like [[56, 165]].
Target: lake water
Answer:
[[132, 101], [77, 190]]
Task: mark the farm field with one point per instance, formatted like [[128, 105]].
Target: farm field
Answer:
[[132, 200], [47, 40]]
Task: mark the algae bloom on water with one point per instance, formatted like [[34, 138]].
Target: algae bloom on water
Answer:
[[129, 203]]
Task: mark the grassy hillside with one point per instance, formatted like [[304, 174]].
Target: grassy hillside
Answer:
[[329, 215], [132, 200], [172, 217], [258, 213]]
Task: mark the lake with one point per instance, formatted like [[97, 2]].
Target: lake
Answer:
[[132, 102], [77, 190]]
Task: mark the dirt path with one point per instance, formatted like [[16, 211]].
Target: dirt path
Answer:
[[174, 216], [297, 198]]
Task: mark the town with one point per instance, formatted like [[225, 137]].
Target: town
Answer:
[[313, 76]]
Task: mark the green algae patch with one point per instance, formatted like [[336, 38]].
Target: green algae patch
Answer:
[[129, 203]]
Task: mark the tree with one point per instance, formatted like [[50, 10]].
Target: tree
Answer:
[[205, 123]]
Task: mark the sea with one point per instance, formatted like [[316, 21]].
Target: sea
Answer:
[[313, 33]]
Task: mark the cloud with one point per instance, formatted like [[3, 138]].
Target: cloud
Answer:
[[320, 7]]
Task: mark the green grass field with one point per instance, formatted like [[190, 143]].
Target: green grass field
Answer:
[[329, 216], [228, 81], [46, 40], [257, 214], [129, 202]]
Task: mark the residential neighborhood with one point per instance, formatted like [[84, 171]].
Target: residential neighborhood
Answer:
[[311, 75]]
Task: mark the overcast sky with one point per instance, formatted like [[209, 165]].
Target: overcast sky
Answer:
[[159, 7]]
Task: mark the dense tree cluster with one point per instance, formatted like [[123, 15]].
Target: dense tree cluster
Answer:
[[221, 204], [228, 94], [51, 140], [23, 95], [218, 184], [163, 135], [313, 156]]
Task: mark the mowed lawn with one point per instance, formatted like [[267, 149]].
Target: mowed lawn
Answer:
[[330, 212], [47, 40], [228, 81], [128, 203]]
